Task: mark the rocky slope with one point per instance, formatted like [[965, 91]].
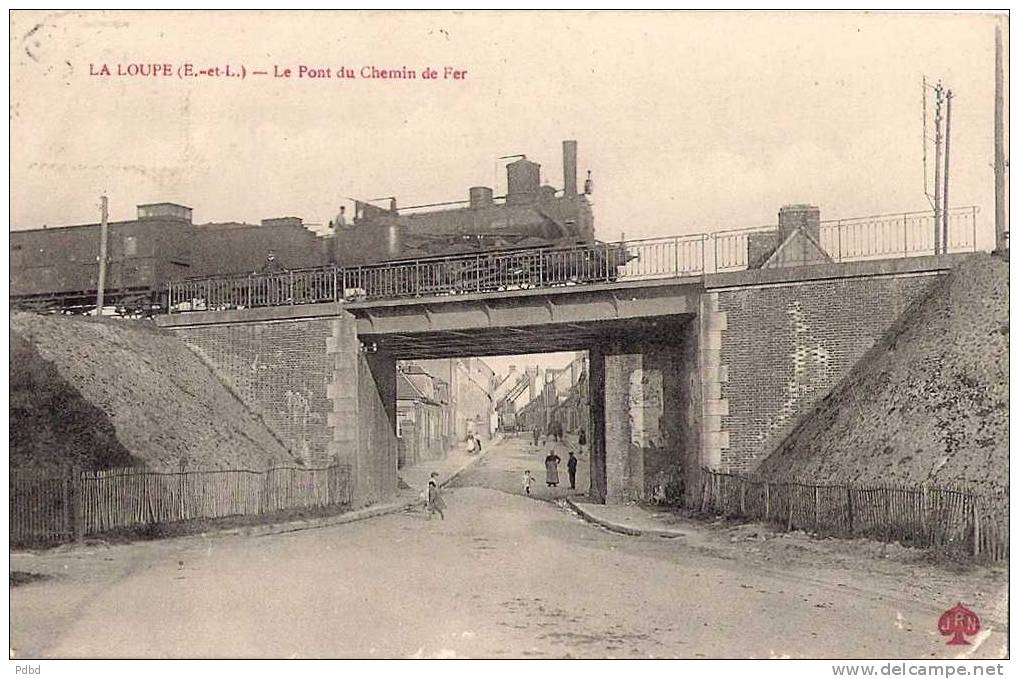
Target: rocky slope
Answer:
[[115, 393], [928, 404]]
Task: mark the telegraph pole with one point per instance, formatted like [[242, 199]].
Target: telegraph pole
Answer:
[[923, 98], [939, 94], [1000, 181], [944, 180], [103, 239]]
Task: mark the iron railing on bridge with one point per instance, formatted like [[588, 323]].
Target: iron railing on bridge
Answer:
[[875, 237], [523, 269], [906, 234], [901, 234]]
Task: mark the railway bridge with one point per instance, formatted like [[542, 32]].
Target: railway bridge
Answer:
[[702, 352]]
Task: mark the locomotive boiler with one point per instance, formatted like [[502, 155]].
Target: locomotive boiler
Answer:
[[530, 215]]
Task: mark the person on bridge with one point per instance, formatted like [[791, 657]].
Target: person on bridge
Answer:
[[571, 467], [340, 222], [273, 290], [272, 265], [552, 470]]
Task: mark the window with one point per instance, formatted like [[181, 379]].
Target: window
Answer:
[[130, 246]]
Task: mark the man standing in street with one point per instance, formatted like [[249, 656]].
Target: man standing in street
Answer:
[[571, 467]]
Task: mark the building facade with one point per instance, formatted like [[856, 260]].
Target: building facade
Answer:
[[559, 399], [422, 405], [472, 385]]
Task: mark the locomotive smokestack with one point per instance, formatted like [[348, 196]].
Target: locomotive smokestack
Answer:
[[570, 167]]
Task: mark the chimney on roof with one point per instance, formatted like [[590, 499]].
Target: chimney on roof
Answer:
[[801, 216], [570, 167]]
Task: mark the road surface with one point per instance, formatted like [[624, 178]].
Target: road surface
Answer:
[[503, 576]]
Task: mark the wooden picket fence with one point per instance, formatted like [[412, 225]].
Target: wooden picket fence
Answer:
[[946, 518], [52, 509], [40, 508]]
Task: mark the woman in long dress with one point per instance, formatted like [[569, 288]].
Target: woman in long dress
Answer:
[[552, 470]]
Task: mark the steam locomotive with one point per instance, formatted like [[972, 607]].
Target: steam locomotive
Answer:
[[56, 268]]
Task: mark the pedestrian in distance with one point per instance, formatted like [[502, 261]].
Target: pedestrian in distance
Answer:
[[435, 501], [552, 469], [582, 439], [472, 444], [537, 434], [571, 467], [527, 481]]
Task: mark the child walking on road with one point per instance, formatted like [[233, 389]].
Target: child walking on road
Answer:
[[527, 481], [435, 501]]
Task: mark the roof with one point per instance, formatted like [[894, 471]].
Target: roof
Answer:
[[407, 390]]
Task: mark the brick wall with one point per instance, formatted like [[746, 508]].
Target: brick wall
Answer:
[[281, 371], [313, 388], [785, 346]]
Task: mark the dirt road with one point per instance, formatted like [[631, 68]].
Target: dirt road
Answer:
[[502, 576]]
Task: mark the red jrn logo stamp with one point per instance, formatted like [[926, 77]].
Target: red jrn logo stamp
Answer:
[[958, 622]]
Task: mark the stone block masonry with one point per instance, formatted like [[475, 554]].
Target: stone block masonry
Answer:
[[781, 349], [652, 417]]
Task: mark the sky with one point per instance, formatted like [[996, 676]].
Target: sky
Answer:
[[689, 122], [501, 364]]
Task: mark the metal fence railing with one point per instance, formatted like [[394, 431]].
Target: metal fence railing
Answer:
[[730, 250], [875, 237], [455, 275], [524, 269], [924, 516], [907, 234], [60, 508], [299, 286]]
